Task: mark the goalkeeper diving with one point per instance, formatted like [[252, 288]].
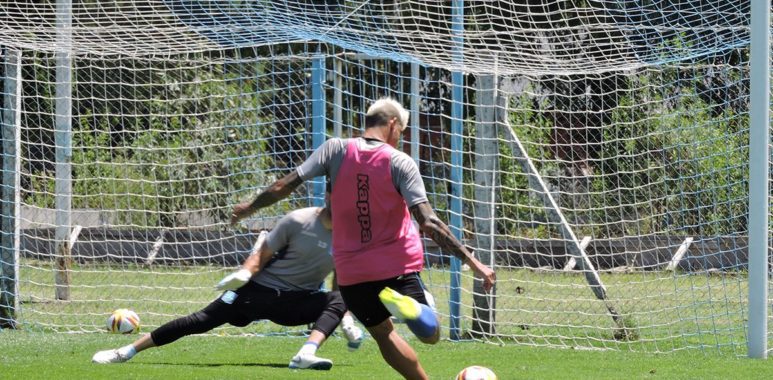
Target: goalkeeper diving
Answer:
[[280, 281]]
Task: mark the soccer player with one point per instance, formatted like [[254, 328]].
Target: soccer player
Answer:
[[280, 281], [377, 250]]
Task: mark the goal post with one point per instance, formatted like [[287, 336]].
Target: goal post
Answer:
[[759, 179]]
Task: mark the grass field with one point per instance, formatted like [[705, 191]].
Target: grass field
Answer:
[[671, 311], [34, 355], [690, 326]]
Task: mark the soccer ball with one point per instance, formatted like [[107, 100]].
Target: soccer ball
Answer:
[[123, 321], [476, 372]]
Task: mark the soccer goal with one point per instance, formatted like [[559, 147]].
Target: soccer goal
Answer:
[[596, 154]]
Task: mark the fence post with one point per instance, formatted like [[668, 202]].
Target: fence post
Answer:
[[486, 182], [10, 120], [63, 142], [455, 201], [759, 161], [318, 122]]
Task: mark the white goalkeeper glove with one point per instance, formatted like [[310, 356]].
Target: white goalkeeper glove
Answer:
[[234, 280]]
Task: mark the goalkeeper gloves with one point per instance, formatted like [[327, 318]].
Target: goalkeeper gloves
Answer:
[[234, 280]]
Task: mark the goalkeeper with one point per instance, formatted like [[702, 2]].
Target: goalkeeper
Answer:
[[280, 281], [377, 250]]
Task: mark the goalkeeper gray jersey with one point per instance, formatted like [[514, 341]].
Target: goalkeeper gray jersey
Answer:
[[302, 252]]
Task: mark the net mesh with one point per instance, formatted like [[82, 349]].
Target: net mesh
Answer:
[[536, 36], [594, 153]]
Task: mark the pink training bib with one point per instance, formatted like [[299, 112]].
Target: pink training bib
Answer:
[[374, 237]]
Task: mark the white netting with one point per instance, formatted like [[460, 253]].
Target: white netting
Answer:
[[616, 130], [535, 36], [646, 170]]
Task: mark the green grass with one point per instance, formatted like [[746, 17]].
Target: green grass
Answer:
[[663, 311], [34, 355]]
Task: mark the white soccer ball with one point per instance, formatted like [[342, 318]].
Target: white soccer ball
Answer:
[[123, 321], [476, 372]]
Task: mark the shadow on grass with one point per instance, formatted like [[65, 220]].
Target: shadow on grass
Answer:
[[215, 365]]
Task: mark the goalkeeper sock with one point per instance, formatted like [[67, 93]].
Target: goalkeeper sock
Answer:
[[347, 320], [309, 348], [425, 325], [127, 351]]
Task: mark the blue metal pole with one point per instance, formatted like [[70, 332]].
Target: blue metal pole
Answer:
[[318, 123], [457, 94], [415, 112]]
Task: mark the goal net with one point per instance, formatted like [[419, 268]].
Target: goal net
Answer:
[[595, 154]]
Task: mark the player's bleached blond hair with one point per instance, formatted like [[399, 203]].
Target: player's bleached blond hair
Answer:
[[383, 110]]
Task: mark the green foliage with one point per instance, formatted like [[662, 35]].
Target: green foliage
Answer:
[[186, 143], [669, 160], [519, 202], [672, 163]]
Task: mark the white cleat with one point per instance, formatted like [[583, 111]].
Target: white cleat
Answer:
[[310, 362], [108, 356], [354, 337]]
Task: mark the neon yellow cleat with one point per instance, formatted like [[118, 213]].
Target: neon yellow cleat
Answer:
[[400, 306]]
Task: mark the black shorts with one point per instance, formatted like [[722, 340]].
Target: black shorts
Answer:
[[252, 302], [362, 299], [286, 308]]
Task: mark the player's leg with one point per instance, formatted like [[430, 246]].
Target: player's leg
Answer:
[[363, 301], [323, 309], [406, 298], [396, 351], [307, 358], [353, 334], [335, 304], [215, 314]]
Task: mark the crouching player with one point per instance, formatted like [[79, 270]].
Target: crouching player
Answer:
[[280, 281]]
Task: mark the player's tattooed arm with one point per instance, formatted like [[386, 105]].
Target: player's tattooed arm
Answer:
[[439, 232], [276, 191], [272, 194]]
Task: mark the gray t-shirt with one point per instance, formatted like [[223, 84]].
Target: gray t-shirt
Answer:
[[301, 246], [326, 160]]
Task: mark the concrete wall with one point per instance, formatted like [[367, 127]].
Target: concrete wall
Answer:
[[228, 248]]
